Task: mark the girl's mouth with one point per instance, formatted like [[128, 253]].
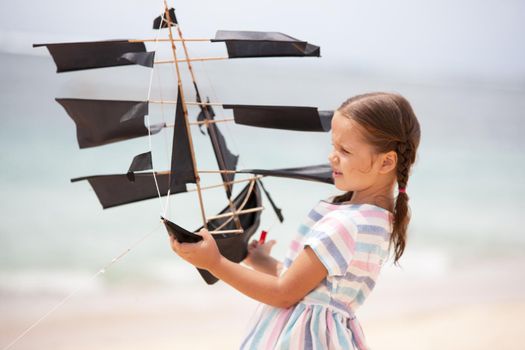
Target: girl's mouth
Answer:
[[336, 173]]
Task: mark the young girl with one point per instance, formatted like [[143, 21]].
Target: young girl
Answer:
[[333, 262]]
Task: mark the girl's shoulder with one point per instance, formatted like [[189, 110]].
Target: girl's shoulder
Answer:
[[364, 216]]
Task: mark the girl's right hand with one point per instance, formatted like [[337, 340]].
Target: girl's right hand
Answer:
[[258, 253]]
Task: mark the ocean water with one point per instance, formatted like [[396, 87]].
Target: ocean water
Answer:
[[466, 188]]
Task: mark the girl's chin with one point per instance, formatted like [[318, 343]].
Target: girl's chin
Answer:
[[340, 185]]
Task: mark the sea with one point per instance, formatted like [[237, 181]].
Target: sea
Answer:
[[466, 188]]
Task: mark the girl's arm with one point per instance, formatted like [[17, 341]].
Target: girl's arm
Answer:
[[305, 273], [268, 265]]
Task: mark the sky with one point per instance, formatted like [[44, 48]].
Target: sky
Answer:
[[477, 41]]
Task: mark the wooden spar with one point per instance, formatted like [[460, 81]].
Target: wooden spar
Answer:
[[217, 171], [217, 58], [212, 130], [225, 231], [256, 177], [206, 103], [228, 183], [169, 102], [204, 122], [186, 118], [209, 172], [207, 121], [246, 211], [167, 40]]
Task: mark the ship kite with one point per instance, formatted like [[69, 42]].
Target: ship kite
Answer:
[[102, 122]]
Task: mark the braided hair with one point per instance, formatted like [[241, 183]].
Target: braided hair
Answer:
[[390, 125]]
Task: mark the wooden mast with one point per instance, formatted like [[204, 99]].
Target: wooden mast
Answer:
[[186, 119]]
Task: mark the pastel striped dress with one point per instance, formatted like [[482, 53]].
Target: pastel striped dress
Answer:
[[351, 241]]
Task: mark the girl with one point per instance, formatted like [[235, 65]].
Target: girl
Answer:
[[334, 261]]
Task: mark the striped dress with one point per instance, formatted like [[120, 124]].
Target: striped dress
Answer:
[[351, 241]]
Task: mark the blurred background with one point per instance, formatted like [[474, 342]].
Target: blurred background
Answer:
[[461, 283]]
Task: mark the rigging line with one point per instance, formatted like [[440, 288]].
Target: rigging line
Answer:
[[101, 271], [163, 114], [211, 130], [167, 147], [230, 133], [166, 208], [174, 73], [242, 205], [152, 167], [165, 138], [162, 209]]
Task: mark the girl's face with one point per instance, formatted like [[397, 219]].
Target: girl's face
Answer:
[[353, 161]]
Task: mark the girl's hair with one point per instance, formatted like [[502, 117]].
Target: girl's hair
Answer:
[[390, 125]]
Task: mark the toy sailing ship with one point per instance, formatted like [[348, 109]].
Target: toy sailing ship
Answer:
[[101, 122]]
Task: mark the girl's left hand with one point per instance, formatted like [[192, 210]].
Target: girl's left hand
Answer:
[[203, 254]]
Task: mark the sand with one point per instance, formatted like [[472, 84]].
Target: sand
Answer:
[[478, 306]]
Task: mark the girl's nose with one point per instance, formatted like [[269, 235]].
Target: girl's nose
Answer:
[[332, 157]]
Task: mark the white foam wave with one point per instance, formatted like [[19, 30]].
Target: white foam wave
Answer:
[[48, 282]]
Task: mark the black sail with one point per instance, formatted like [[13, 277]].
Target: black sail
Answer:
[[161, 21], [117, 189], [91, 54], [225, 158], [140, 162], [182, 170], [282, 117], [145, 59], [264, 44], [100, 122], [232, 246]]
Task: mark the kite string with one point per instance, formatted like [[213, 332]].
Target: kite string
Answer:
[[53, 309], [76, 291], [162, 209]]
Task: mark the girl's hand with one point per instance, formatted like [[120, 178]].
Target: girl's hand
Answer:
[[203, 254], [258, 253]]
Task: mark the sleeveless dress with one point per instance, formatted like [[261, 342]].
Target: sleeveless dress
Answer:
[[351, 241]]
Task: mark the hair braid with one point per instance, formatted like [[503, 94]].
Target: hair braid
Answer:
[[401, 208], [403, 166]]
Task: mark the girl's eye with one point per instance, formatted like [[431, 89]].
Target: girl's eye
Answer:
[[341, 149]]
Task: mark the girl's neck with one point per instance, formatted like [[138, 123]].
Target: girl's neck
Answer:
[[381, 197]]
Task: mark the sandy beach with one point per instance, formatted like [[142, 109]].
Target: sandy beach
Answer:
[[478, 306]]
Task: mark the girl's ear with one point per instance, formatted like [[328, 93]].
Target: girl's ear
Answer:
[[388, 162]]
